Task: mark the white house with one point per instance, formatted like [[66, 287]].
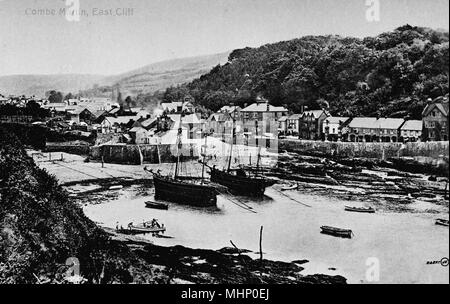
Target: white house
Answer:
[[332, 126], [411, 130]]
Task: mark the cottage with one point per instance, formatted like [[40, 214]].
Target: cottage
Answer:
[[332, 127], [117, 124], [80, 114], [311, 124], [283, 125], [139, 135], [262, 110], [293, 124], [436, 120], [218, 123], [411, 131]]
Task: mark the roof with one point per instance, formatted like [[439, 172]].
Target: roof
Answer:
[[78, 110], [415, 125], [443, 107], [374, 123], [148, 122], [390, 123], [137, 129], [114, 110], [229, 109], [219, 117], [284, 118], [121, 119], [364, 122], [314, 113], [174, 117], [191, 119], [262, 107], [336, 119], [295, 116]]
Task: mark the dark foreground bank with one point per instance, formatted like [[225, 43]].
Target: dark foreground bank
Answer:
[[46, 238]]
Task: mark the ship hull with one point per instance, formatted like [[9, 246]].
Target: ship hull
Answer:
[[238, 184], [184, 193]]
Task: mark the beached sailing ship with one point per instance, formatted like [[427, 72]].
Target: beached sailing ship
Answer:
[[239, 181], [183, 190]]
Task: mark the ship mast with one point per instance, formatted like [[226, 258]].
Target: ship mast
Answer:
[[179, 146], [232, 139], [204, 156]]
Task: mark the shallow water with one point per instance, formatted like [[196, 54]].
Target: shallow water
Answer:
[[402, 242]]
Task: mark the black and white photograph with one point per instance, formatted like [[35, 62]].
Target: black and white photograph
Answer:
[[224, 143]]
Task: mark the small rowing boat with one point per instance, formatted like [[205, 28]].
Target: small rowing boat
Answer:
[[152, 227], [344, 233], [118, 187], [290, 187], [155, 205], [442, 222], [360, 209]]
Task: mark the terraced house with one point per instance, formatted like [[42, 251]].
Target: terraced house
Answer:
[[372, 129]]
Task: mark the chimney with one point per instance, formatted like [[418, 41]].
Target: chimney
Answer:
[[268, 106]]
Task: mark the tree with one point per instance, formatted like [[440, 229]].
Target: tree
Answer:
[[55, 97]]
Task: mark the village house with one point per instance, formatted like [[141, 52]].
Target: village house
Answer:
[[283, 125], [411, 131], [218, 123], [262, 110], [311, 124], [332, 127], [234, 111], [193, 124], [293, 124], [436, 120], [372, 129], [79, 115], [117, 124], [139, 135]]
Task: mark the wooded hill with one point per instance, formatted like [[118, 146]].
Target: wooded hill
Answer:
[[392, 74]]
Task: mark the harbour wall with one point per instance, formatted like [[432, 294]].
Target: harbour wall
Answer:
[[435, 150], [139, 154]]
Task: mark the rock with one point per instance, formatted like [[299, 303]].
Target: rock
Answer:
[[232, 250], [300, 262]]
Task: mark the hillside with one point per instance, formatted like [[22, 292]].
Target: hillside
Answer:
[[161, 75], [392, 74], [39, 84], [148, 79]]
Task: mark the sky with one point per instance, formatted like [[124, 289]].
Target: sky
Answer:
[[36, 39]]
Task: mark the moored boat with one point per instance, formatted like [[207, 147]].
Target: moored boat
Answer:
[[442, 222], [155, 205], [290, 187], [344, 233], [152, 227], [360, 209], [240, 183], [238, 180], [183, 190]]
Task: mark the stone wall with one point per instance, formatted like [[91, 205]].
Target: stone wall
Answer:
[[75, 147], [138, 154], [368, 150]]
